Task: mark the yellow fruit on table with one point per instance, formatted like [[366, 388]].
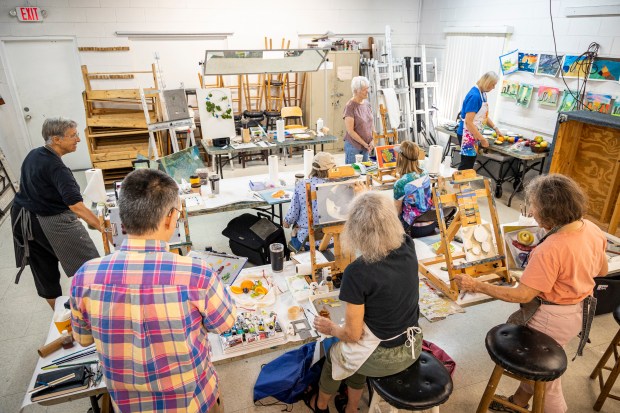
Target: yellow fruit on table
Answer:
[[260, 290], [498, 142], [511, 139], [501, 139], [494, 134], [236, 290], [544, 144], [538, 139], [247, 284], [525, 237]]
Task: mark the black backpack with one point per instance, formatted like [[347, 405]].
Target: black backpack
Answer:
[[250, 236]]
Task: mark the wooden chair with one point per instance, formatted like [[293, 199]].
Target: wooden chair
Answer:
[[292, 113]]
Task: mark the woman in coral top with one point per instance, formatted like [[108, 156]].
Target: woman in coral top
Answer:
[[559, 274]]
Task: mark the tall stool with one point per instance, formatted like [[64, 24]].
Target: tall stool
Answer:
[[606, 386], [424, 385], [526, 355], [272, 116]]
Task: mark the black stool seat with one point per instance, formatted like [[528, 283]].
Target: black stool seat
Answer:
[[423, 385], [274, 82], [525, 352], [253, 114], [237, 118], [617, 314], [272, 113]]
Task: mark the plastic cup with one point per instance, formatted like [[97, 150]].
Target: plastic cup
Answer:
[[276, 257], [359, 158]]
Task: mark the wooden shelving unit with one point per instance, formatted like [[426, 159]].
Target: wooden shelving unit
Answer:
[[116, 130]]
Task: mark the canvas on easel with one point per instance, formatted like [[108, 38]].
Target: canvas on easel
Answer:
[[215, 111], [386, 156]]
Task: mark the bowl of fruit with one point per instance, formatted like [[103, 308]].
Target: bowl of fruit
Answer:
[[539, 145]]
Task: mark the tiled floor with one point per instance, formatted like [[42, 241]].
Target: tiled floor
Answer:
[[24, 321]]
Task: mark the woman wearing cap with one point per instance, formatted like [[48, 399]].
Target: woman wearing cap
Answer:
[[407, 204], [358, 121], [474, 116], [297, 215]]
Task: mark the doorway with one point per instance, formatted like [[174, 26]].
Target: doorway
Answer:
[[45, 80]]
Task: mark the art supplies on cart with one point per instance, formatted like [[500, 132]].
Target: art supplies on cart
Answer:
[[227, 266], [252, 329]]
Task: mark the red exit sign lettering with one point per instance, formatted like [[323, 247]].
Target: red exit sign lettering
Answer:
[[29, 14]]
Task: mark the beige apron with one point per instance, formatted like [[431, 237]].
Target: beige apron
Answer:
[[347, 358]]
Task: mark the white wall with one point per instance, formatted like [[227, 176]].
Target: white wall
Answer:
[[532, 33], [94, 23]]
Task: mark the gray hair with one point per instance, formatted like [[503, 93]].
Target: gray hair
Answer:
[[146, 197], [487, 79], [373, 228], [359, 82], [56, 127]]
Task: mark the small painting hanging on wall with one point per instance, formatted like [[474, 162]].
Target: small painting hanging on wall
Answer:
[[527, 62], [509, 62], [549, 64], [386, 156], [605, 69], [615, 109], [525, 95], [575, 66], [569, 100], [598, 102], [509, 89], [548, 96]]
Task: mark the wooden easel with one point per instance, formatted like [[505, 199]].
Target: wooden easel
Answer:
[[391, 138], [466, 200], [333, 231]]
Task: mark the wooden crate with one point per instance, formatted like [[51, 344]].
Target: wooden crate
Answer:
[[586, 147]]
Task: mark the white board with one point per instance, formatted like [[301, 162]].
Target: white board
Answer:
[[211, 127]]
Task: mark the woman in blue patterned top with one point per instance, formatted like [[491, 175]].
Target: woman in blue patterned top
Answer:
[[297, 215], [474, 117], [409, 196]]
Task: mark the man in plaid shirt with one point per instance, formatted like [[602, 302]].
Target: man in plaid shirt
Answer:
[[148, 310]]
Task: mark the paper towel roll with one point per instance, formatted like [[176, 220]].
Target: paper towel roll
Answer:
[[303, 269], [308, 158], [280, 130], [273, 168], [434, 159], [95, 188]]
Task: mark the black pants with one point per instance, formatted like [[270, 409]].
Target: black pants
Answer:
[[467, 162], [43, 261]]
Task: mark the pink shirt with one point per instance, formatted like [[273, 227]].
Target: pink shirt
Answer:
[[362, 121], [563, 267]]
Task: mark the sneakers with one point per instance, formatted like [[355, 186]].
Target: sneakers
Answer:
[[497, 407]]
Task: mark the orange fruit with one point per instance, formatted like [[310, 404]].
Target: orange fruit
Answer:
[[247, 284], [260, 289], [236, 290]]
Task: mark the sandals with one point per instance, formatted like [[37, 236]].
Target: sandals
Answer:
[[309, 395], [341, 399], [497, 407]]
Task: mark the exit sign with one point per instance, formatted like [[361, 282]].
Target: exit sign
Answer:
[[29, 14]]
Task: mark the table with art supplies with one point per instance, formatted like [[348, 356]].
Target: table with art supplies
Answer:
[[223, 154], [515, 155]]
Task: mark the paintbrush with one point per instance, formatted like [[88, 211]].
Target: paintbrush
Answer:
[[85, 363], [53, 383]]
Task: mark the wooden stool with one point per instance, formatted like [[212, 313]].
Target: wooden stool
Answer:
[[526, 355], [272, 116], [606, 386], [424, 385]]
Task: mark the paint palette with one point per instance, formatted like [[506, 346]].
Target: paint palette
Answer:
[[227, 266], [478, 242], [252, 328], [329, 304]]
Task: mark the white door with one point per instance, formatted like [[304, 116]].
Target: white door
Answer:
[[48, 83]]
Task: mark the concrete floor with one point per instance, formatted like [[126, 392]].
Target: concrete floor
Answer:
[[25, 318]]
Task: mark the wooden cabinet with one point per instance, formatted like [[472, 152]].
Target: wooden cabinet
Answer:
[[327, 100], [586, 147]]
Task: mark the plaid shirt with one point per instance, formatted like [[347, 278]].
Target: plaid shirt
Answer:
[[148, 311]]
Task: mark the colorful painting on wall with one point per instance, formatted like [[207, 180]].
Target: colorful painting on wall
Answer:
[[509, 89], [569, 100], [549, 65], [575, 66], [597, 102], [548, 96], [527, 62], [615, 109], [509, 62], [605, 69], [525, 95], [386, 156]]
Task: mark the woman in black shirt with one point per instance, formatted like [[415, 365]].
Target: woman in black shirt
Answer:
[[380, 336]]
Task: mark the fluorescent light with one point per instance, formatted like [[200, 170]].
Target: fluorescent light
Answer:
[[175, 34], [479, 29]]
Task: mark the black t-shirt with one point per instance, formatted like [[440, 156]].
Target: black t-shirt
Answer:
[[389, 290], [47, 186]]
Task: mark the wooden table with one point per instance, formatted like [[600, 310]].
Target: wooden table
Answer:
[[218, 152], [519, 162]]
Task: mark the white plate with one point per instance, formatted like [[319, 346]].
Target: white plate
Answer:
[[247, 300], [481, 234]]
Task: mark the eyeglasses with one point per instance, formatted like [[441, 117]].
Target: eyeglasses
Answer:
[[180, 218], [76, 135]]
